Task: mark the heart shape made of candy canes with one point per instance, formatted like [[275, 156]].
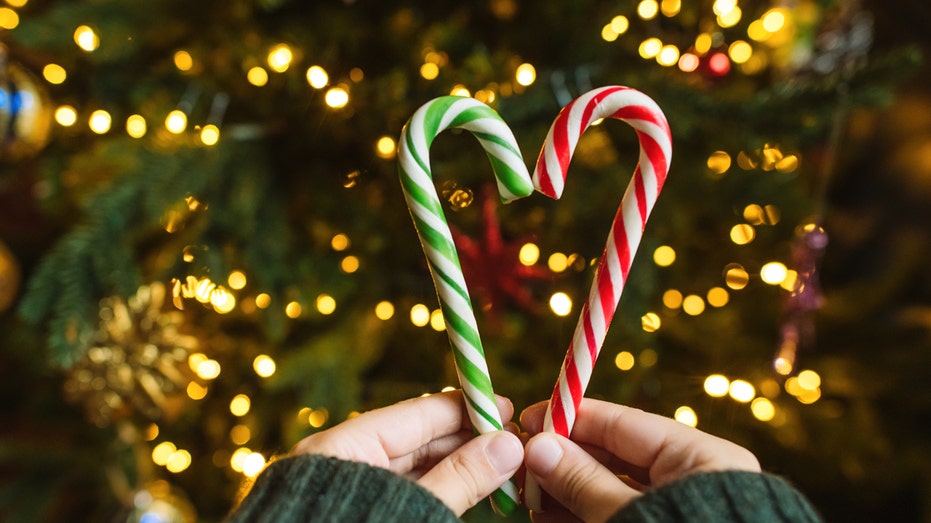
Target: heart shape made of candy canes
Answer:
[[617, 102]]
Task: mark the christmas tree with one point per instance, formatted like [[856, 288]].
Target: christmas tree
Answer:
[[205, 251]]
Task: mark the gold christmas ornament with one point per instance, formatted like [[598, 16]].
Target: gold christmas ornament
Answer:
[[25, 112], [9, 277], [138, 363]]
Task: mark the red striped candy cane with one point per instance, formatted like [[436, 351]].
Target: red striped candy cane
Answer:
[[641, 113]]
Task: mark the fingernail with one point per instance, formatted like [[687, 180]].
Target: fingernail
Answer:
[[543, 453], [504, 452]]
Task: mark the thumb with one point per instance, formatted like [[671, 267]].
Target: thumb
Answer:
[[574, 478], [474, 470]]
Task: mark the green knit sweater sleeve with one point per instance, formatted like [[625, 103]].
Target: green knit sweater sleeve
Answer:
[[721, 497], [318, 488]]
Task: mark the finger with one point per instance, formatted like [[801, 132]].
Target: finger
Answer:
[[667, 448], [531, 419], [475, 470], [427, 456], [380, 435], [574, 479]]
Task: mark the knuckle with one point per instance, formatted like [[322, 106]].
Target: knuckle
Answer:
[[577, 482]]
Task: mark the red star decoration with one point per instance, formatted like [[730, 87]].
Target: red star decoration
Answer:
[[492, 266]]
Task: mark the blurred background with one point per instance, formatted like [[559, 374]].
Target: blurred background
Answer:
[[205, 254]]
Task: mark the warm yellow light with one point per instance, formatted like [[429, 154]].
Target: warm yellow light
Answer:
[[809, 380], [66, 116], [460, 90], [162, 452], [763, 409], [730, 19], [17, 3], [236, 280], [151, 432], [264, 366], [317, 77], [263, 300], [703, 43], [650, 47], [420, 315], [757, 32], [560, 304], [210, 134], [624, 360], [773, 273], [718, 296], [526, 74], [774, 20], [317, 418], [664, 256], [337, 97], [100, 121], [672, 299], [670, 8], [240, 434], [386, 147], [529, 254], [740, 51], [183, 60], [650, 322], [54, 74], [292, 309], [349, 264], [196, 391], [384, 310], [782, 366], [620, 24], [176, 121], [736, 277], [717, 385], [558, 262], [647, 9], [326, 304], [741, 390], [722, 7], [742, 233], [693, 305], [208, 369], [178, 461], [240, 405], [257, 76], [608, 34], [279, 58], [239, 457], [809, 396], [437, 322], [668, 56], [86, 38], [9, 19], [339, 242], [686, 416], [136, 126], [253, 464], [791, 282], [204, 290], [429, 71]]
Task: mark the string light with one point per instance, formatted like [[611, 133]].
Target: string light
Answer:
[[672, 299], [560, 304], [736, 277], [741, 391], [693, 305], [647, 9], [420, 315], [718, 296], [529, 254], [429, 71], [279, 58], [183, 61], [86, 38], [176, 121], [318, 417], [236, 280], [136, 126], [650, 322], [257, 76], [240, 434], [349, 264], [326, 304], [240, 405], [66, 116], [337, 97], [526, 74], [664, 256], [253, 464], [773, 273], [558, 262], [717, 385], [650, 47], [437, 322], [763, 409], [54, 74], [100, 121], [196, 391], [293, 310], [264, 366], [460, 90], [317, 77], [687, 416], [384, 310], [9, 19], [210, 134], [742, 234], [624, 360], [386, 147], [263, 300]]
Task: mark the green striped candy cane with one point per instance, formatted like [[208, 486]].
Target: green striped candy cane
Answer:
[[417, 181]]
